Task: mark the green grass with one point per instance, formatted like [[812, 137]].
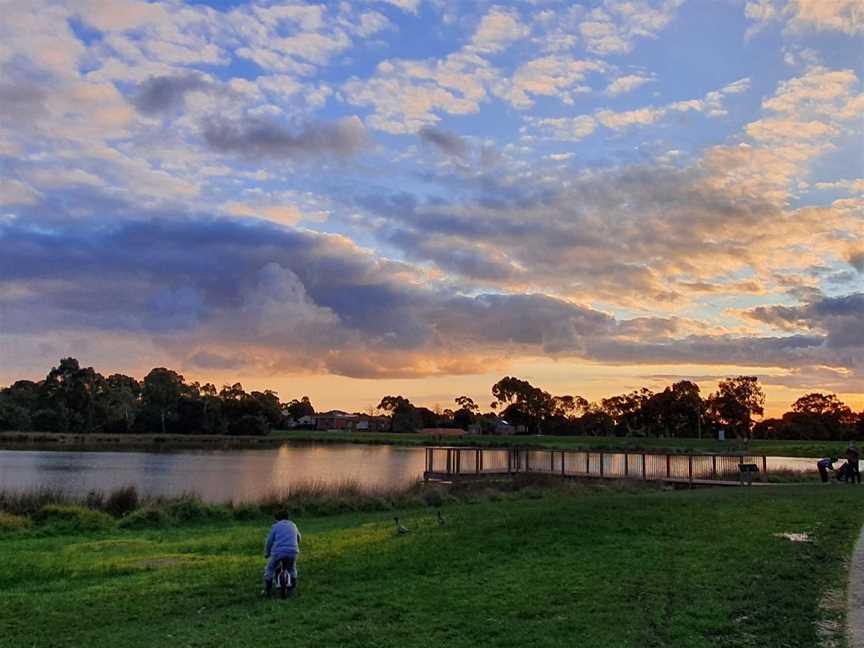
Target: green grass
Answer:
[[785, 448], [606, 569]]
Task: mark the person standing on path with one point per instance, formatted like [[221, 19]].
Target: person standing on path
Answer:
[[853, 455]]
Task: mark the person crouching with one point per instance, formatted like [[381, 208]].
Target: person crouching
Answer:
[[283, 543], [824, 465]]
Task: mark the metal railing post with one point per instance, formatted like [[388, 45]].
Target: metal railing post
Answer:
[[713, 466], [764, 468], [449, 462], [644, 473], [668, 467], [601, 464], [626, 462], [690, 469], [562, 463], [587, 463]]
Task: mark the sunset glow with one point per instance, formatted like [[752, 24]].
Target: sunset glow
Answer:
[[354, 199]]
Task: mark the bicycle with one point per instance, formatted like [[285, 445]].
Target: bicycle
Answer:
[[282, 578]]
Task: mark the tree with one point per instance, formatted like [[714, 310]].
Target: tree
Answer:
[[466, 403], [297, 409], [160, 394], [677, 411], [816, 404], [628, 411], [403, 415], [735, 403], [120, 403], [525, 404]]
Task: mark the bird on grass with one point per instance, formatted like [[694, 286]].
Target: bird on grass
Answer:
[[400, 530], [441, 521]]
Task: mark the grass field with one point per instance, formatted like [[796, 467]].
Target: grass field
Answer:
[[595, 568]]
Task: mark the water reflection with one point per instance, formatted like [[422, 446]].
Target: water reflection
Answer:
[[215, 475], [242, 475]]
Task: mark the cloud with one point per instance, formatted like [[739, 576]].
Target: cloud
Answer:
[[553, 76], [166, 93], [612, 27], [260, 137], [446, 141], [626, 83], [846, 16], [15, 192], [410, 6], [215, 291], [497, 29]]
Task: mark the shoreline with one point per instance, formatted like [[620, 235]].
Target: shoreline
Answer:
[[277, 438]]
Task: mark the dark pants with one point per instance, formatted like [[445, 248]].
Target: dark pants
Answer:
[[852, 472], [823, 473]]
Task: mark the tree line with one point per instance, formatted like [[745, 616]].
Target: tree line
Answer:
[[79, 399], [679, 411]]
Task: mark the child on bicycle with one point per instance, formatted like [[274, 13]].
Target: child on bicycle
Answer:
[[283, 543]]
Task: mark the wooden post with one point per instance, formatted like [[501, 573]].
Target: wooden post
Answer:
[[458, 461], [552, 461], [562, 463], [527, 461], [601, 464], [644, 474], [626, 462], [449, 462], [587, 463], [480, 450], [690, 468], [713, 466], [668, 467], [764, 468], [509, 461], [477, 461]]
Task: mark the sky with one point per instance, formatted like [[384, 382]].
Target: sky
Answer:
[[353, 199]]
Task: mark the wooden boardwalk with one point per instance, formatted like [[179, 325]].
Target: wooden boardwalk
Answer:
[[459, 463]]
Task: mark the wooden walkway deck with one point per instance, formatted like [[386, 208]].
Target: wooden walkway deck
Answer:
[[447, 464]]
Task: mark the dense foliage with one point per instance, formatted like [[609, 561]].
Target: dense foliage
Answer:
[[78, 399]]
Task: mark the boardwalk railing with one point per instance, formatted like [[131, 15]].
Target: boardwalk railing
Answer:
[[447, 463]]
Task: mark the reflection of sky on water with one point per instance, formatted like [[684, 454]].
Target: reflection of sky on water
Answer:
[[215, 475], [219, 475]]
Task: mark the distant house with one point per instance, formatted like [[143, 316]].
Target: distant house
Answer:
[[336, 420], [503, 427]]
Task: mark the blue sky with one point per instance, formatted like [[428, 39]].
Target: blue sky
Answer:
[[416, 195]]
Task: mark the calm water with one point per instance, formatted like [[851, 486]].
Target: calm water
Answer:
[[215, 475], [221, 475]]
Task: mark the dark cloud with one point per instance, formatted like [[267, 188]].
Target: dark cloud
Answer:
[[215, 290], [23, 95], [446, 141], [253, 136], [166, 93]]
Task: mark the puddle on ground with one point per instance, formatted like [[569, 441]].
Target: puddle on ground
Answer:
[[794, 537]]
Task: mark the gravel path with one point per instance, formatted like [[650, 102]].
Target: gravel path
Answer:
[[855, 600]]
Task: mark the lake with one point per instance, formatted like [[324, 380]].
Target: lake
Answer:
[[215, 475], [239, 475]]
